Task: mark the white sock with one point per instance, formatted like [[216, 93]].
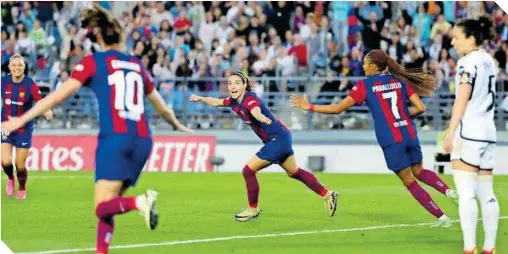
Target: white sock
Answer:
[[140, 199], [490, 209], [465, 181]]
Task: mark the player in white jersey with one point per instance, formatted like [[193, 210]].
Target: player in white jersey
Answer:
[[471, 138]]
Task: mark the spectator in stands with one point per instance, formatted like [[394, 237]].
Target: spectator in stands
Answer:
[[422, 22], [7, 15], [299, 50], [182, 23], [435, 48], [223, 29], [340, 15], [285, 62], [146, 29], [38, 35], [27, 16], [373, 26], [299, 19], [159, 13], [440, 27], [279, 18]]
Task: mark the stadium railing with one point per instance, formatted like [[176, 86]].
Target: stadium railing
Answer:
[[81, 110]]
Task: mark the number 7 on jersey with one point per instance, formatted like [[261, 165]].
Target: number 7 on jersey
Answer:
[[393, 100]]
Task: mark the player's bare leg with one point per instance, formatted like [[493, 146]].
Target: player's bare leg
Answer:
[[307, 178], [423, 198], [465, 177], [109, 202], [21, 172], [432, 179], [8, 168], [251, 182]]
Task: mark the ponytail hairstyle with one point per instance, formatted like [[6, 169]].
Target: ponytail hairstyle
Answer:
[[245, 80], [97, 19], [482, 29], [422, 82]]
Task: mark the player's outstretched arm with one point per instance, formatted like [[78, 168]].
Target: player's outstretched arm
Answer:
[[300, 101], [459, 107], [418, 107], [212, 101], [58, 96], [162, 109], [256, 113]]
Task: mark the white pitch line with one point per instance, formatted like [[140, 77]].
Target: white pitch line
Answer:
[[64, 176], [228, 238]]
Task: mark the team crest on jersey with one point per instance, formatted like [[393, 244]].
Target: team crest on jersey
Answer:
[[22, 94]]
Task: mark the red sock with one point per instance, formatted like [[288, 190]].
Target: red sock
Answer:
[[252, 186], [311, 181], [433, 180], [22, 178], [115, 206], [105, 228], [424, 198], [9, 171]]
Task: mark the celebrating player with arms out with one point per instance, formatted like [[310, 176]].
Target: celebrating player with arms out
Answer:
[[19, 92], [121, 84], [277, 141], [386, 91], [471, 138]]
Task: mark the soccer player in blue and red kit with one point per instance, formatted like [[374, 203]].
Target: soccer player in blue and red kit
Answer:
[[19, 93], [386, 90], [277, 141], [121, 84]]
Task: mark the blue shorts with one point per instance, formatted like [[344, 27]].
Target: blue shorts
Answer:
[[121, 158], [19, 140], [399, 156], [277, 149]]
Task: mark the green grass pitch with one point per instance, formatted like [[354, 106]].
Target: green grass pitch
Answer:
[[58, 215]]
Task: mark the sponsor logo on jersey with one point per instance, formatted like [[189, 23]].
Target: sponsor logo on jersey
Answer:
[[9, 102], [79, 67], [400, 124], [4, 137], [385, 87]]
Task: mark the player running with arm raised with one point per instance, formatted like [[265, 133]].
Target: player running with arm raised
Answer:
[[277, 141], [386, 91], [121, 83], [471, 138], [19, 93]]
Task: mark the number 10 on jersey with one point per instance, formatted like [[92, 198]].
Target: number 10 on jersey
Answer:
[[128, 94]]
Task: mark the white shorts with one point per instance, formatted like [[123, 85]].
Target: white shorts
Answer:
[[474, 153]]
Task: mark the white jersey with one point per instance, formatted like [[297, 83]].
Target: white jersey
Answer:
[[478, 69]]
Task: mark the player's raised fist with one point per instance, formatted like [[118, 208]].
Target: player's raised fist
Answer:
[[299, 101], [194, 97]]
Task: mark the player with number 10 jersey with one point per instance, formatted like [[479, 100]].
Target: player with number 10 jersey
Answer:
[[121, 84]]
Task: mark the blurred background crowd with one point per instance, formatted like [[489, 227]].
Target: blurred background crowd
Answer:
[[188, 45]]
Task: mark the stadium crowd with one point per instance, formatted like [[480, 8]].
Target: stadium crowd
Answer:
[[263, 39]]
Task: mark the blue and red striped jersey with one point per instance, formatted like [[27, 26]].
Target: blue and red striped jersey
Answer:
[[387, 99], [120, 83], [250, 100], [18, 98]]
